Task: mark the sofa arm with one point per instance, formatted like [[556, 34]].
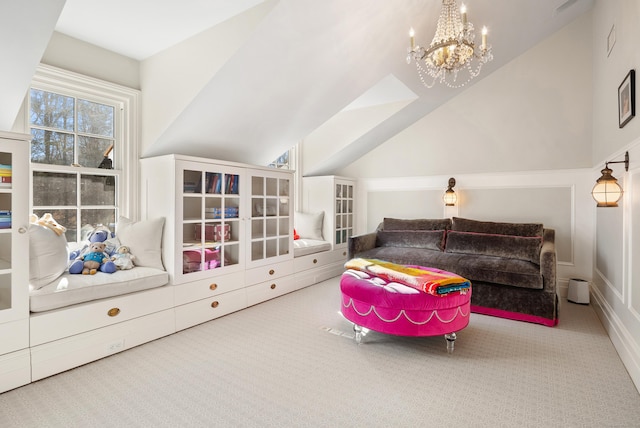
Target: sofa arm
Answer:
[[548, 262], [360, 243]]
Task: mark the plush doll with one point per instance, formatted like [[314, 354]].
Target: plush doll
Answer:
[[47, 220], [94, 259], [122, 258]]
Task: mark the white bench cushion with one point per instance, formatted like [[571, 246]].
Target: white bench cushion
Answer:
[[304, 247], [73, 289]]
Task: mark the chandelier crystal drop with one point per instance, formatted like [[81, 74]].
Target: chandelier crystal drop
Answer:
[[451, 51]]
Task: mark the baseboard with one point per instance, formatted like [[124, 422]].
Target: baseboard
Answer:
[[622, 340]]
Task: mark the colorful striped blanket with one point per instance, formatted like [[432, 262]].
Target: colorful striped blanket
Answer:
[[429, 280]]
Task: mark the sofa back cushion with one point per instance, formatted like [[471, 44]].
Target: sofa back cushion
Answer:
[[506, 246], [429, 239], [495, 228], [416, 224]]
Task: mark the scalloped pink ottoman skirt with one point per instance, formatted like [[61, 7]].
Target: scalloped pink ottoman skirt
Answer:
[[401, 310]]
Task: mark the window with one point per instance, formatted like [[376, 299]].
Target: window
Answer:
[[83, 150], [282, 162]]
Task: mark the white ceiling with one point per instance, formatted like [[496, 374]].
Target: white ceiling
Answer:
[[308, 62]]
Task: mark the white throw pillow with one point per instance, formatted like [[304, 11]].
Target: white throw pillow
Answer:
[[309, 225], [48, 256], [144, 239]]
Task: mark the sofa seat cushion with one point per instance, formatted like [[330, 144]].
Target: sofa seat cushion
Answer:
[[71, 289], [429, 239], [497, 270]]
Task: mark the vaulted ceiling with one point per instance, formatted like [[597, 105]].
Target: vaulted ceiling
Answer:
[[331, 73]]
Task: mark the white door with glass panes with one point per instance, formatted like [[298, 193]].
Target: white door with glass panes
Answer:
[[271, 221], [210, 216]]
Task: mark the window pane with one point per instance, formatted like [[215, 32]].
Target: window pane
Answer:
[[54, 189], [66, 218], [91, 152], [51, 110], [96, 217], [97, 190], [53, 148], [94, 118]]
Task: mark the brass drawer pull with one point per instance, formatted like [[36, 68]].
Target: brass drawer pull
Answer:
[[273, 286], [213, 286], [214, 304], [344, 253], [315, 261], [113, 312], [271, 272]]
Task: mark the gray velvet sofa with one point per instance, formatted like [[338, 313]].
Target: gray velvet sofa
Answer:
[[511, 266]]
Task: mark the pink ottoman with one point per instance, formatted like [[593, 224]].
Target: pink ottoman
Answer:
[[397, 309]]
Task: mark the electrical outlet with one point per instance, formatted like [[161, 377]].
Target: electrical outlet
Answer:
[[115, 346]]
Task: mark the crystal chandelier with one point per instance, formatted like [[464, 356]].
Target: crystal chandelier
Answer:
[[451, 51]]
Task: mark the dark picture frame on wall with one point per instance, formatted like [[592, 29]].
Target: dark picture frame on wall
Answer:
[[627, 99]]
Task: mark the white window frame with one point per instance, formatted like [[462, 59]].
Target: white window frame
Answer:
[[127, 131]]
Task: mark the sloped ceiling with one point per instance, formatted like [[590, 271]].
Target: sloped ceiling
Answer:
[[294, 76], [25, 29]]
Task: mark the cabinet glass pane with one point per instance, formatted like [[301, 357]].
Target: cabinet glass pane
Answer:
[[271, 187], [5, 250], [350, 194], [283, 245], [284, 227], [192, 234], [271, 247], [257, 229], [338, 221], [283, 207], [257, 207], [338, 191], [272, 227], [5, 291], [212, 183], [338, 206], [272, 207], [257, 251], [284, 187], [191, 208], [212, 208], [338, 237], [231, 184], [257, 186], [191, 181], [231, 254], [231, 207]]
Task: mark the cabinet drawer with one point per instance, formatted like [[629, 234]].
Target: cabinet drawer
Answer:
[[15, 336], [270, 289], [269, 272], [202, 289], [15, 370], [317, 260], [210, 308], [63, 322]]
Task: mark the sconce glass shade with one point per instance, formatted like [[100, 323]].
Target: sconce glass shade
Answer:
[[450, 198], [607, 192]]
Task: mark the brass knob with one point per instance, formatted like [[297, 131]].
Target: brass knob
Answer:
[[271, 272], [213, 286], [273, 286], [215, 304], [344, 253], [113, 312], [315, 261]]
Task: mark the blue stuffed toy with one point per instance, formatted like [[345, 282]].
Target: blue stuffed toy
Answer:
[[88, 256]]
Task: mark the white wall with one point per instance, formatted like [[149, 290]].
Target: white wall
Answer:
[[616, 274], [81, 57]]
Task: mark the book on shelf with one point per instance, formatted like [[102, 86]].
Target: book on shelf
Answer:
[[5, 179]]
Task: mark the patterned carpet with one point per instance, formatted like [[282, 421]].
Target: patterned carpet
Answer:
[[292, 362]]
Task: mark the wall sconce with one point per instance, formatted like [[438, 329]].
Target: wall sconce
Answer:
[[607, 192], [450, 198]]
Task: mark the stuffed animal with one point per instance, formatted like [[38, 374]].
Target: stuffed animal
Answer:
[[47, 220], [122, 258], [94, 258], [97, 234]]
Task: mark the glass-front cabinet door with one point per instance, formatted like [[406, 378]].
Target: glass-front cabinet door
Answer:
[[14, 244], [271, 227], [210, 216], [343, 212]]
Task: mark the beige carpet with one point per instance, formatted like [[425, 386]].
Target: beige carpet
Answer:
[[292, 362]]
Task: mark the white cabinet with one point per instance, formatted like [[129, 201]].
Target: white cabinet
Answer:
[[14, 249], [227, 225], [336, 197]]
